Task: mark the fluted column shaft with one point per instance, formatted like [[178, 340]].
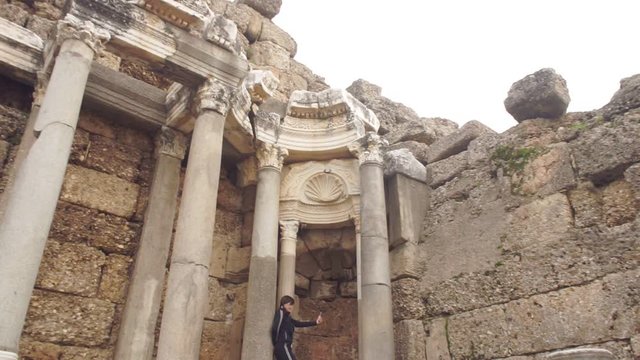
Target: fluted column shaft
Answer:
[[376, 313], [263, 270], [186, 299], [32, 202], [137, 330], [287, 262]]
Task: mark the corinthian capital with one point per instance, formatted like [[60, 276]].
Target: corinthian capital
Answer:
[[171, 143], [270, 155], [213, 95], [73, 28], [369, 149], [289, 229]]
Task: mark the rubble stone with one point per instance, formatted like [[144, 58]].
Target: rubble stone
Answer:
[[456, 142]]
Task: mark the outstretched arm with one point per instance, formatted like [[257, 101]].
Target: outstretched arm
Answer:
[[297, 323]]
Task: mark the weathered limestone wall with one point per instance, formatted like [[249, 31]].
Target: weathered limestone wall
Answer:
[[15, 103], [84, 273], [326, 282], [530, 243]]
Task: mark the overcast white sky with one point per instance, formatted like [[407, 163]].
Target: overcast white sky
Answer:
[[457, 59]]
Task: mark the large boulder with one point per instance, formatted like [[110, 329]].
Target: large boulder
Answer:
[[625, 99], [543, 94], [267, 8]]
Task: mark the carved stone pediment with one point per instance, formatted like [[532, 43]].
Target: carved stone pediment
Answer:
[[320, 192], [321, 125]]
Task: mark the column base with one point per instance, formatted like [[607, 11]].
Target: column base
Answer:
[[5, 355]]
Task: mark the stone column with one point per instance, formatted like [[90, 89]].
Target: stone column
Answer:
[[356, 225], [287, 264], [376, 324], [187, 297], [263, 270], [32, 202], [137, 330]]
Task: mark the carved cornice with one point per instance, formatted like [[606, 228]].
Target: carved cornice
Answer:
[[224, 33], [289, 229], [369, 149], [213, 95], [261, 84], [187, 14], [320, 125], [270, 155], [171, 143]]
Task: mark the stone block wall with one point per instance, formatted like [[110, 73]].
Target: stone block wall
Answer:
[[530, 244], [82, 283]]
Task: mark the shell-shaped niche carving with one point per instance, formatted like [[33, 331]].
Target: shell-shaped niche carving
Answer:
[[325, 188]]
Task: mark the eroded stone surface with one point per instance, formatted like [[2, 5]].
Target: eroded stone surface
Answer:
[[74, 320], [268, 9], [115, 278], [625, 99], [70, 268], [215, 344], [410, 339], [99, 191], [542, 94], [407, 303], [457, 142], [602, 310], [110, 233]]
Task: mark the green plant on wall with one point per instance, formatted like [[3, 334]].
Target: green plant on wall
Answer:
[[513, 160]]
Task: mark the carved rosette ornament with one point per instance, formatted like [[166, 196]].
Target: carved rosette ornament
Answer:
[[171, 143], [213, 95], [369, 149], [270, 155]]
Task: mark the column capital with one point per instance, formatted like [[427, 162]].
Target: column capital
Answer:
[[289, 229], [369, 149], [213, 95], [73, 28], [270, 155], [171, 143]]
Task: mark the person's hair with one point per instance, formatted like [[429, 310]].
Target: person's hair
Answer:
[[287, 300]]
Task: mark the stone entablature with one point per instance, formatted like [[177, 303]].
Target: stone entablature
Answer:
[[320, 125], [320, 192]]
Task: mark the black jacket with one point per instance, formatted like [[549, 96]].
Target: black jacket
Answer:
[[284, 325]]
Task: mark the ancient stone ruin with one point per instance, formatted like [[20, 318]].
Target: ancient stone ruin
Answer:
[[168, 170]]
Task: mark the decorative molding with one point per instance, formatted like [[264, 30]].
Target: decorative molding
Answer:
[[171, 143], [224, 33], [191, 15], [320, 125], [184, 57], [356, 223], [320, 192], [369, 149], [270, 155], [20, 51], [213, 95], [324, 188], [261, 84]]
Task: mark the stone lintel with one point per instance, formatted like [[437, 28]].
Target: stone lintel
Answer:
[[20, 52], [181, 56], [115, 92]]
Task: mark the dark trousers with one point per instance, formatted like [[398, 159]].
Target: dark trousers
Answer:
[[282, 351]]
